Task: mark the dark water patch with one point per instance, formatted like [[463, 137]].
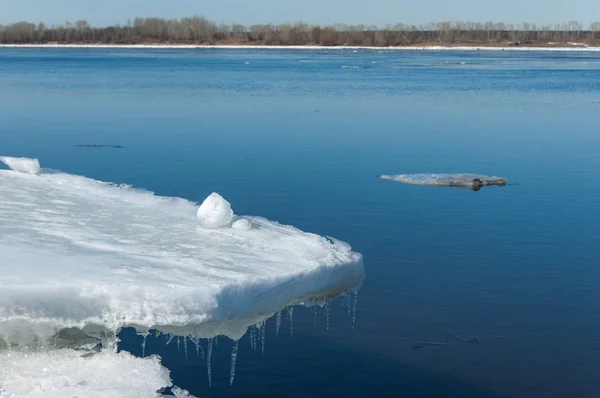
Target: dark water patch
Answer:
[[98, 146], [352, 371]]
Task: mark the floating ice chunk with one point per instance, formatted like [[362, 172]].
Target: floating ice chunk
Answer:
[[118, 257], [66, 373], [179, 392], [215, 212], [472, 181], [22, 165], [242, 223]]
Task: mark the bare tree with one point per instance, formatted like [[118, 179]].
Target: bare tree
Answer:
[[197, 29]]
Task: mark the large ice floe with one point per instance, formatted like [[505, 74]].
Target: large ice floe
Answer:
[[80, 259], [463, 180]]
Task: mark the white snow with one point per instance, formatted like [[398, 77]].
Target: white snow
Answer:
[[242, 223], [76, 251], [578, 44], [67, 373], [22, 165], [215, 212]]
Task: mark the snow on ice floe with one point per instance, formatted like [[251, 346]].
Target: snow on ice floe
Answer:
[[22, 165], [68, 373], [76, 251], [242, 223], [465, 180]]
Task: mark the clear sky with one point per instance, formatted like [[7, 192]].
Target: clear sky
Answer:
[[246, 12]]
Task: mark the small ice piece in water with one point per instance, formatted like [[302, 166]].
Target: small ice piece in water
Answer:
[[242, 223], [464, 180], [471, 339], [22, 165], [215, 212]]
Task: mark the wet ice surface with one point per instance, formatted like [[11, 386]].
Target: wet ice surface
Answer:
[[465, 180]]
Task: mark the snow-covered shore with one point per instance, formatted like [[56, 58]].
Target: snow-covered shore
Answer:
[[572, 47]]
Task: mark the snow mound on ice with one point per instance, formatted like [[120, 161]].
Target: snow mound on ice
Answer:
[[215, 212], [22, 165]]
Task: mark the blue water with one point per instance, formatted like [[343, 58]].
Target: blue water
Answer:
[[298, 137]]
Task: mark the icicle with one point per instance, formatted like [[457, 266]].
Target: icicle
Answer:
[[179, 343], [217, 341], [278, 323], [327, 312], [262, 337], [355, 299], [252, 338], [144, 345], [348, 305], [198, 348], [185, 347], [169, 339], [315, 312], [256, 337], [233, 360], [291, 315], [208, 358]]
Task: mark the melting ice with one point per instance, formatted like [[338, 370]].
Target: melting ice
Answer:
[[95, 257], [465, 180], [68, 373]]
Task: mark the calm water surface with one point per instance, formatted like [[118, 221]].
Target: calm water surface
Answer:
[[298, 137]]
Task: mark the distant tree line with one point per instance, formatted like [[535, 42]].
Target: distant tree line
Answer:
[[198, 30]]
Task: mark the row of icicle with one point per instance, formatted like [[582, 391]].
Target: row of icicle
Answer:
[[257, 333]]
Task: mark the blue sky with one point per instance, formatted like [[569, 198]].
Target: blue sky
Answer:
[[375, 12]]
